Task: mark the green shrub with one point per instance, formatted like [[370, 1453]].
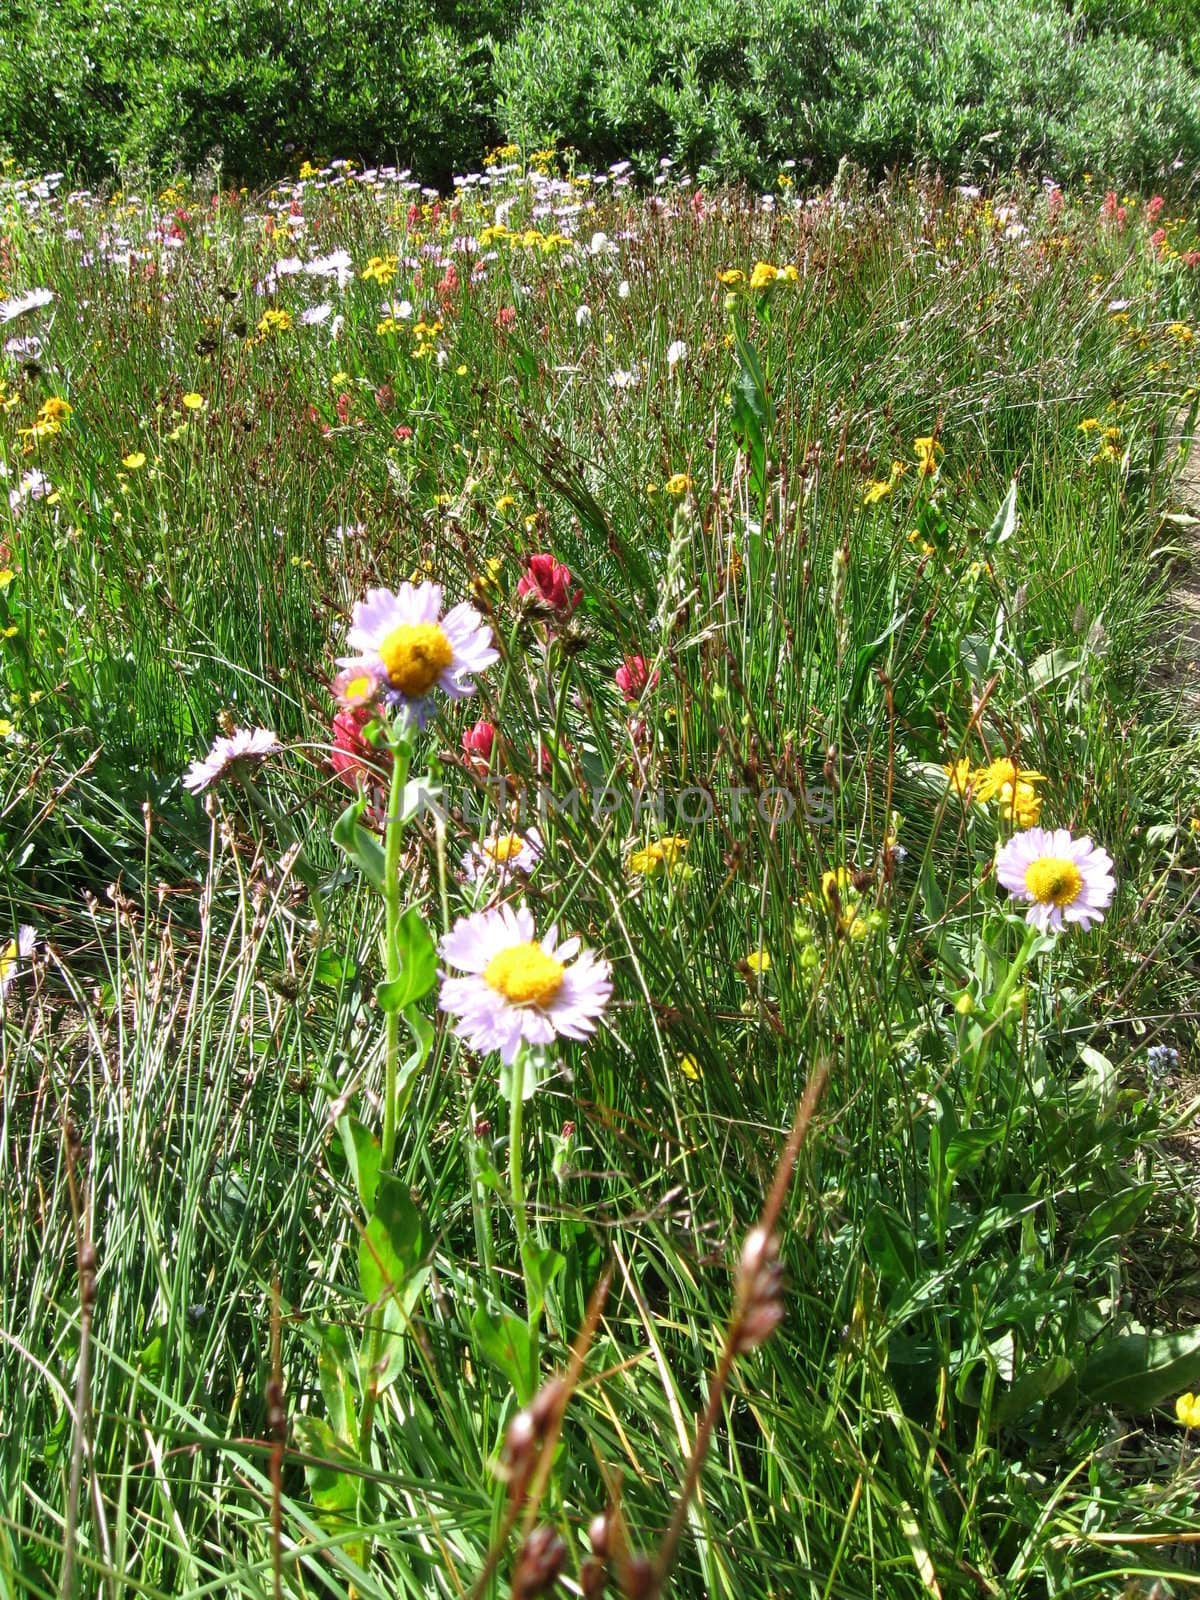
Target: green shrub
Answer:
[[729, 90], [735, 91]]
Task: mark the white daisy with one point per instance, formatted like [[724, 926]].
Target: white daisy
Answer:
[[676, 352], [14, 953], [403, 641], [1062, 879], [245, 744], [517, 990], [33, 300], [501, 855]]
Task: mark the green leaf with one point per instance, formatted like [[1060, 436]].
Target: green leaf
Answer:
[[1117, 1215], [392, 1271], [418, 964], [505, 1341], [750, 409], [1031, 1388], [967, 1148], [362, 1157], [1136, 1371], [361, 846], [542, 1266], [335, 1366], [1004, 524], [332, 1488], [333, 969]]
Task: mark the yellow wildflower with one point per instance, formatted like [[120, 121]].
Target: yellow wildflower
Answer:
[[1187, 1409], [763, 275], [134, 460], [660, 855], [731, 277], [193, 401], [678, 484], [273, 321], [759, 961], [380, 269], [927, 451]]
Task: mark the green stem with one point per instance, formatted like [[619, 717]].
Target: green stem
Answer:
[[393, 837], [516, 1177], [999, 1007]]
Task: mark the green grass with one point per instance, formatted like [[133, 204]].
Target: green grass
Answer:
[[989, 1213]]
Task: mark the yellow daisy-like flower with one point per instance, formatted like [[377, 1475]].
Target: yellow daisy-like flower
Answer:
[[731, 277], [55, 410], [678, 484], [927, 451], [1090, 425], [690, 1068], [763, 275], [660, 855], [1187, 1409], [961, 777], [273, 321], [134, 460], [380, 269], [991, 780], [759, 961], [1020, 804], [192, 401]]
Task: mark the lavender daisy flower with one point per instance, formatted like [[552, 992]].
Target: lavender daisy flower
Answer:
[[501, 855], [409, 647], [245, 744], [516, 990], [1062, 879]]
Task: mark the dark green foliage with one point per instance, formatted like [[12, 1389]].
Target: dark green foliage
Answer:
[[727, 88], [737, 89]]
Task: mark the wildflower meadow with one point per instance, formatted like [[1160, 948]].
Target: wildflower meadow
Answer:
[[600, 804]]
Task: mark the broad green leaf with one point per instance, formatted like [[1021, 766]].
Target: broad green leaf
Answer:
[[332, 1487], [333, 969], [392, 1273], [967, 1148], [362, 1157], [335, 1366], [1004, 524], [362, 847], [418, 964], [1136, 1371], [1116, 1215], [1031, 1388], [504, 1340], [542, 1266]]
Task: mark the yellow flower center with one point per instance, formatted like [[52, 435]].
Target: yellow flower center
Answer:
[[525, 974], [414, 656], [505, 847], [1053, 880], [359, 688]]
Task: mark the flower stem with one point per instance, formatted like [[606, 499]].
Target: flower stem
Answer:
[[393, 837], [516, 1181], [516, 1176]]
